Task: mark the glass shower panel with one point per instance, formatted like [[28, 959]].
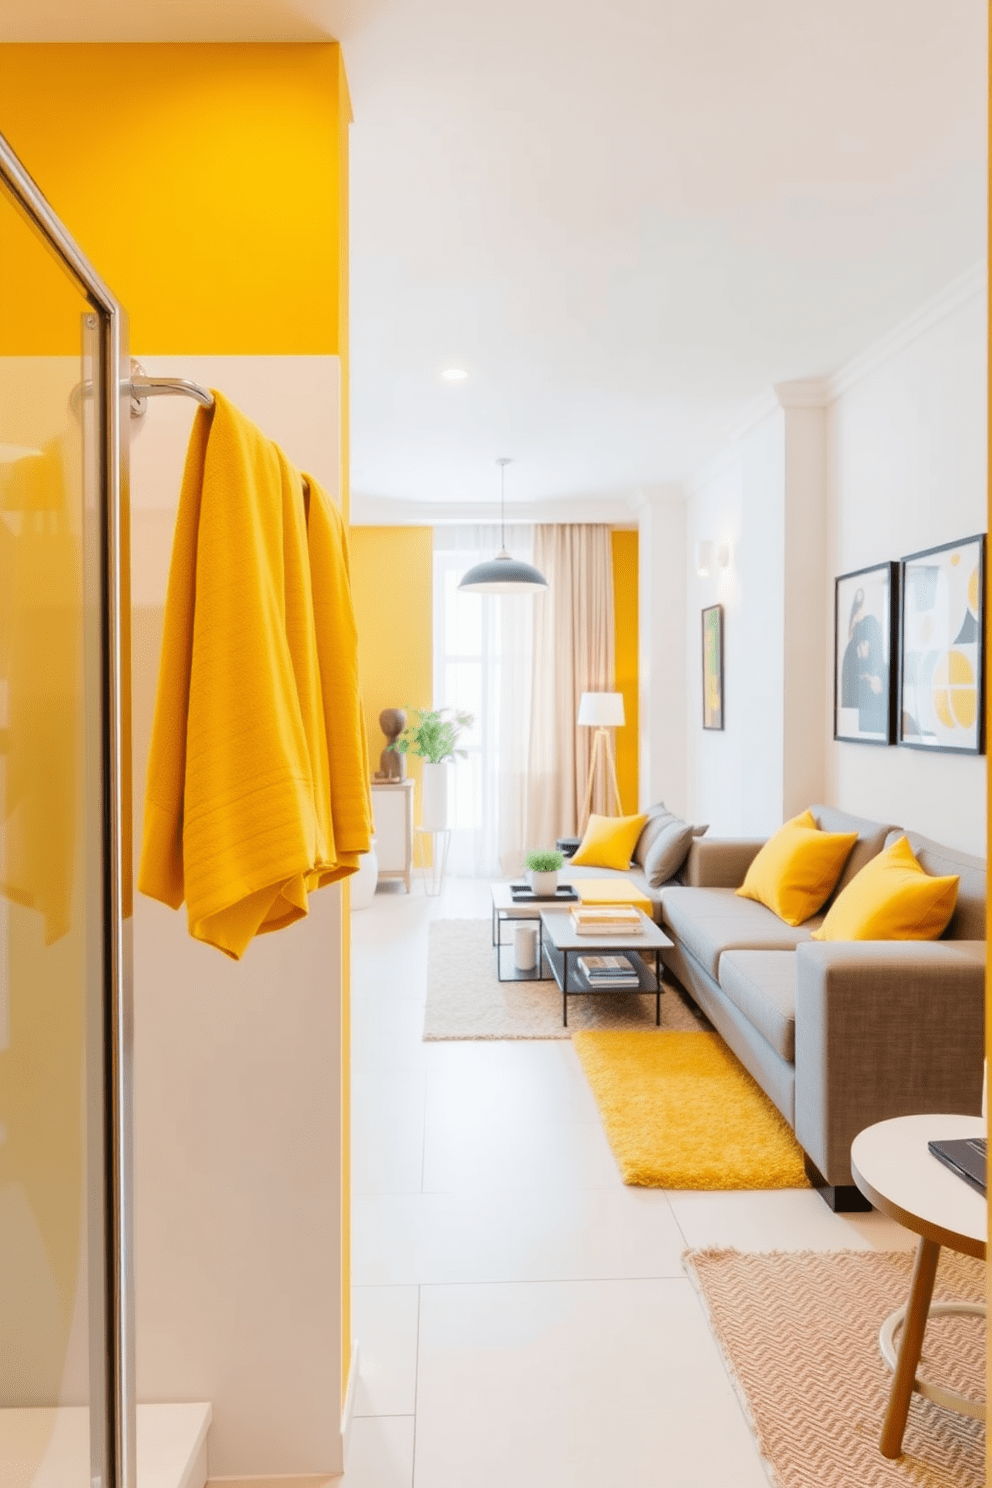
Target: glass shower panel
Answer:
[[52, 1282]]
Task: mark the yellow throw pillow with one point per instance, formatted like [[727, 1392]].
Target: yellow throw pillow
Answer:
[[609, 842], [796, 870], [892, 898]]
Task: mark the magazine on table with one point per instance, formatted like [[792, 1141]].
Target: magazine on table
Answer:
[[609, 971]]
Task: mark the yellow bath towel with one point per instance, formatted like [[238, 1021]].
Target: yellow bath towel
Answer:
[[337, 652], [238, 816]]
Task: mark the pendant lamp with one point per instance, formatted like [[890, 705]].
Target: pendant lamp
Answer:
[[503, 574]]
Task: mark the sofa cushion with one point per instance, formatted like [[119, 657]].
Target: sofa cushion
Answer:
[[762, 984], [968, 919], [711, 921], [664, 844], [658, 818], [892, 899], [872, 837], [796, 870], [608, 841], [668, 851]]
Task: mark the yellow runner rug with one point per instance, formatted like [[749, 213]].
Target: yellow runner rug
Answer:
[[680, 1111]]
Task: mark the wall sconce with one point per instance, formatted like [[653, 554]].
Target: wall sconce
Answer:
[[708, 553]]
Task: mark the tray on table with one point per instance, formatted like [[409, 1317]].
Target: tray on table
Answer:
[[522, 893]]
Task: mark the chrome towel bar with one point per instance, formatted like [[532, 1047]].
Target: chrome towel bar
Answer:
[[143, 387]]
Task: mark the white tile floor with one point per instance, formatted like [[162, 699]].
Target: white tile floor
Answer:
[[522, 1317]]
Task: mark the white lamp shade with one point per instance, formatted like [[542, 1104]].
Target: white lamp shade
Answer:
[[601, 710]]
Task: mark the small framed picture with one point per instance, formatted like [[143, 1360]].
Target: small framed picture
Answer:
[[866, 616], [713, 667], [942, 676]]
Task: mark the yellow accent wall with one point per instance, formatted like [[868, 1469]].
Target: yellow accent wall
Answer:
[[207, 184], [392, 583], [625, 642]]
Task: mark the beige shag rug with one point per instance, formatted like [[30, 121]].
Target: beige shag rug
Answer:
[[465, 1000], [799, 1332]]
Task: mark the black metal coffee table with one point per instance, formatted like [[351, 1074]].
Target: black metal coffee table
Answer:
[[562, 945]]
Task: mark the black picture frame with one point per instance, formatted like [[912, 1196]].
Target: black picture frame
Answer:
[[866, 620], [712, 637], [942, 625]]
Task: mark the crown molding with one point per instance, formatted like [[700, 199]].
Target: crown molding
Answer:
[[819, 392], [755, 413], [967, 286], [645, 498], [807, 392]]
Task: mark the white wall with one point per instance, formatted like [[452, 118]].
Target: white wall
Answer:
[[738, 774], [236, 1066], [806, 722], [760, 688], [907, 471], [715, 771], [885, 459]]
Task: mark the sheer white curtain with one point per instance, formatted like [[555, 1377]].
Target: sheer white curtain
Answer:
[[483, 663]]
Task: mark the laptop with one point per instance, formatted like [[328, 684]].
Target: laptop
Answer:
[[964, 1156]]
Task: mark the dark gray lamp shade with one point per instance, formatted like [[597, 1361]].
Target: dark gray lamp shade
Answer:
[[502, 575]]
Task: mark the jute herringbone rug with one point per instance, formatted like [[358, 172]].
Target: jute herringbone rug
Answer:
[[800, 1334]]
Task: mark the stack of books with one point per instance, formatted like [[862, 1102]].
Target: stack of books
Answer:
[[608, 971], [606, 919]]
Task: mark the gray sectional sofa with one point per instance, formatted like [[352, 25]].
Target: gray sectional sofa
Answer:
[[838, 1034]]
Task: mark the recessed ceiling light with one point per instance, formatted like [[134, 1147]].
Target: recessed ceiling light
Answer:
[[454, 374]]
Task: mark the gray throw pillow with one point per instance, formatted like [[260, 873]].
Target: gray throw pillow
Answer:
[[658, 817], [667, 847], [660, 820]]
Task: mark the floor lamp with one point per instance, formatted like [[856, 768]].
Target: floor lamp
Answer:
[[601, 711]]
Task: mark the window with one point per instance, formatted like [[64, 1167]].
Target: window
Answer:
[[482, 665]]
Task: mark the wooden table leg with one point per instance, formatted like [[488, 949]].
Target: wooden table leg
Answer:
[[910, 1346]]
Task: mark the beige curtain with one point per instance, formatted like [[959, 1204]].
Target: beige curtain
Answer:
[[573, 654]]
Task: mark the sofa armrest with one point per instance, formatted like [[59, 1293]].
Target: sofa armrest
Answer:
[[884, 1028], [720, 862]]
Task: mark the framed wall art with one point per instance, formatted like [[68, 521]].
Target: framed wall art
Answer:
[[713, 667], [942, 675], [866, 627]]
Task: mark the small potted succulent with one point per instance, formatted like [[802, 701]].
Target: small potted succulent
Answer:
[[543, 866]]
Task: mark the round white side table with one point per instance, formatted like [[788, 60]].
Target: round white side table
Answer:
[[893, 1168]]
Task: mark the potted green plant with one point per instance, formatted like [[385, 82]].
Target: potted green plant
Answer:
[[434, 739], [543, 866]]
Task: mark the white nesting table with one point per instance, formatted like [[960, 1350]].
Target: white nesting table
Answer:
[[893, 1168]]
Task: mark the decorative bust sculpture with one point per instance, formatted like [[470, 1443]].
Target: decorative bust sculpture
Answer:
[[392, 764]]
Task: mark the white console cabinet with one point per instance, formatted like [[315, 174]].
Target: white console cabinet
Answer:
[[392, 808]]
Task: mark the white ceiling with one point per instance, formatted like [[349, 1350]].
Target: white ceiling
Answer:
[[624, 220]]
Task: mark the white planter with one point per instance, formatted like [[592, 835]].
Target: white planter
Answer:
[[544, 884], [365, 882], [434, 797]]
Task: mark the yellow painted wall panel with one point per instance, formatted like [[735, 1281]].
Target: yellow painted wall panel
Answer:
[[625, 631], [208, 187], [205, 183], [392, 584]]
